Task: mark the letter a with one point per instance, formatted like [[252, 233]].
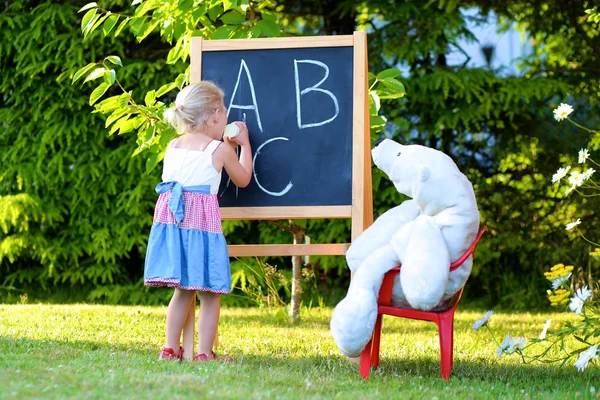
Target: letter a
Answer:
[[314, 88], [254, 105]]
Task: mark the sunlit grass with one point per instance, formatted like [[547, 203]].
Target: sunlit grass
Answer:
[[90, 352]]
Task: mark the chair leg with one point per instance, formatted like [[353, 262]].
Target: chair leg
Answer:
[[365, 360], [376, 341], [446, 332]]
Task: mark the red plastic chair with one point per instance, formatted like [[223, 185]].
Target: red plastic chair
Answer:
[[444, 319]]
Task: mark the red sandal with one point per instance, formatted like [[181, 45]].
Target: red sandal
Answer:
[[204, 357], [167, 353]]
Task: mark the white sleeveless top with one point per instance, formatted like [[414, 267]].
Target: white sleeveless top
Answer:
[[192, 167]]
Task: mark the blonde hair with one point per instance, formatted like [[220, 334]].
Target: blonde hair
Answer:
[[194, 106]]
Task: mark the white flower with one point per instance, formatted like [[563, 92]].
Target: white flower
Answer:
[[559, 281], [581, 295], [583, 156], [588, 173], [576, 304], [561, 173], [516, 344], [546, 326], [505, 344], [569, 190], [562, 111], [585, 357], [572, 225], [482, 321], [576, 179]]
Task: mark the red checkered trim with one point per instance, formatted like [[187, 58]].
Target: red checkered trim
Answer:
[[175, 283], [201, 212]]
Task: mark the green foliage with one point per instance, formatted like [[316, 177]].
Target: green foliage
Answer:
[[176, 22], [74, 206]]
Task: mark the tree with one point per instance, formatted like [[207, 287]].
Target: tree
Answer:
[[74, 205]]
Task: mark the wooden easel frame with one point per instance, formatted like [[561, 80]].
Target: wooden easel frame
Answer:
[[361, 210]]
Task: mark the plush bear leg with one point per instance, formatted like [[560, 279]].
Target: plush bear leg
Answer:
[[354, 317], [425, 264]]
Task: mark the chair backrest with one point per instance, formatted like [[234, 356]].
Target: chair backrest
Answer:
[[470, 251]]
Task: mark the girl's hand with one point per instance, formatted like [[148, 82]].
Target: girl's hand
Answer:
[[243, 138]]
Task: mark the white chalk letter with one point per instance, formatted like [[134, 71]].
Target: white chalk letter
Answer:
[[314, 88], [254, 105], [289, 185]]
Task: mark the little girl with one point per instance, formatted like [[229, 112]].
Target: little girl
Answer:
[[187, 249]]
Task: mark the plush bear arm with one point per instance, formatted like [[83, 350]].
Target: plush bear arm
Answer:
[[380, 233]]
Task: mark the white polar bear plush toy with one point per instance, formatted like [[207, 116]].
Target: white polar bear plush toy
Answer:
[[424, 235]]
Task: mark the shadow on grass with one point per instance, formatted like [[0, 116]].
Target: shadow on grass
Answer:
[[391, 325]]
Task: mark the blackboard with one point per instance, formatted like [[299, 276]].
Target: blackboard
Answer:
[[305, 102], [298, 106]]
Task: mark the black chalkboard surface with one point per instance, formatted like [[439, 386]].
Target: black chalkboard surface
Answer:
[[298, 105]]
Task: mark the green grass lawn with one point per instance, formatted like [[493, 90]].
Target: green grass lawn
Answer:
[[88, 352]]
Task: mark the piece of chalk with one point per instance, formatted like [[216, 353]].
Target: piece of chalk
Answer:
[[232, 130]]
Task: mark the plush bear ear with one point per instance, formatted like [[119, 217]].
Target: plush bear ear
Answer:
[[423, 174]]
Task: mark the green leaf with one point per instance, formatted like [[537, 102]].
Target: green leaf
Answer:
[[138, 150], [374, 103], [269, 28], [151, 162], [117, 114], [377, 120], [165, 89], [111, 76], [241, 32], [87, 7], [233, 18], [388, 94], [268, 15], [146, 133], [149, 29], [150, 98], [97, 22], [394, 86], [185, 5], [182, 78], [82, 72], [115, 60], [110, 23], [223, 32], [389, 73], [214, 12], [255, 32], [121, 26], [122, 120], [229, 4], [136, 25], [95, 74], [98, 92], [108, 104], [179, 28], [87, 19], [131, 124]]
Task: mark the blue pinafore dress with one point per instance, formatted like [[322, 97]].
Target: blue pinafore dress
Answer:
[[186, 248]]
